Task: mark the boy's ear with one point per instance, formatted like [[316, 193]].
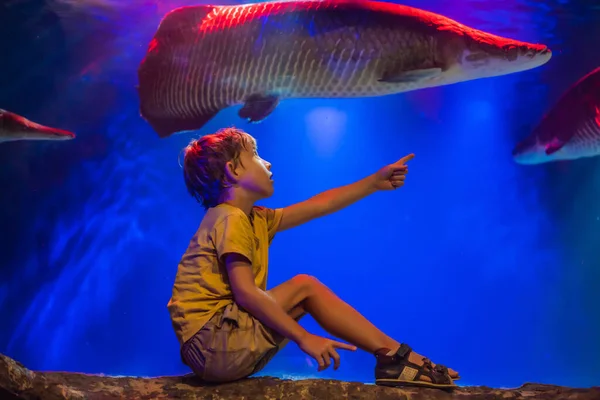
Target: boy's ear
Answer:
[[230, 172]]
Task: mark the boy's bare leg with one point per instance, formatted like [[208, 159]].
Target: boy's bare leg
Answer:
[[336, 316], [296, 312]]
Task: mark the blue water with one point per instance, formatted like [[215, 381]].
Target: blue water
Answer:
[[487, 266]]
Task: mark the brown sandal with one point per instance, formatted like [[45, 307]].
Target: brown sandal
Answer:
[[396, 370], [442, 369]]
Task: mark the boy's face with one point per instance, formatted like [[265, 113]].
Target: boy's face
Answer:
[[254, 173]]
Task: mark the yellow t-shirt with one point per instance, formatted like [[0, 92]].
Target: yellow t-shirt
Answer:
[[201, 286]]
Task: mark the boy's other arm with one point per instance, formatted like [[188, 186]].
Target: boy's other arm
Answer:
[[327, 202], [258, 302]]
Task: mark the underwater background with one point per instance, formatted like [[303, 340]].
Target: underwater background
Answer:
[[487, 266]]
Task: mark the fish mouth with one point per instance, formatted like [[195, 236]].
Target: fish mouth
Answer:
[[522, 53], [62, 135], [528, 152], [528, 52], [531, 50], [545, 51]]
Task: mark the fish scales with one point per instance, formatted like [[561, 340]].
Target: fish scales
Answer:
[[287, 49], [278, 47]]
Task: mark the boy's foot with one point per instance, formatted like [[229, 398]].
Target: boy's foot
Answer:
[[407, 368], [442, 369]]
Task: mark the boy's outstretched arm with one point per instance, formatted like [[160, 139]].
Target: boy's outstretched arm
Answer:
[[387, 178]]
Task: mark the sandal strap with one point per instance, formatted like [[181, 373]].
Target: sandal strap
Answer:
[[442, 369], [435, 376], [403, 351], [412, 371]]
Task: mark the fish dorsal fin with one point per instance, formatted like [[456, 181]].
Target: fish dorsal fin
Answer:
[[178, 23]]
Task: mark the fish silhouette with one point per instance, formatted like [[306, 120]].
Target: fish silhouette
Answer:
[[205, 58]]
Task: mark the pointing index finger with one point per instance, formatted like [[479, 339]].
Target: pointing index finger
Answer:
[[345, 346], [405, 159]]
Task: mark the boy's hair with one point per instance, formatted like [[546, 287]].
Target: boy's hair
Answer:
[[205, 159]]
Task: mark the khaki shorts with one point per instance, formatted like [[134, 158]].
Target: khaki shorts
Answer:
[[232, 345]]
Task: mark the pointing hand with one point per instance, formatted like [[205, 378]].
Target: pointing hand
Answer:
[[392, 176]]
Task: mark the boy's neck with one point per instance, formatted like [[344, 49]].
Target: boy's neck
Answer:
[[239, 199]]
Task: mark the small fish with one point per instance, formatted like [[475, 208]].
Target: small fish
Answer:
[[205, 58], [570, 130], [14, 127]]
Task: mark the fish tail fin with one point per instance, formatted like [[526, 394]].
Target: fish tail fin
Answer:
[[176, 29]]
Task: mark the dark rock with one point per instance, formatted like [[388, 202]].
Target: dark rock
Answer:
[[17, 382]]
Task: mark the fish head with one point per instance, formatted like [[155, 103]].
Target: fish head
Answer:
[[15, 127], [529, 151], [476, 54], [538, 148]]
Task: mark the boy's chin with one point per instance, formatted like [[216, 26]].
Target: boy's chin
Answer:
[[269, 192], [264, 193]]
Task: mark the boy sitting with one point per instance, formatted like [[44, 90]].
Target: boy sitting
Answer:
[[228, 324]]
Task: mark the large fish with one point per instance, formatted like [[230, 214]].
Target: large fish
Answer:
[[15, 127], [570, 130], [205, 58]]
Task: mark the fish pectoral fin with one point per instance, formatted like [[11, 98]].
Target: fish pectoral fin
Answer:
[[554, 146], [410, 76], [258, 107]]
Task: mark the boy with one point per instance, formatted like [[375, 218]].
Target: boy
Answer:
[[229, 326]]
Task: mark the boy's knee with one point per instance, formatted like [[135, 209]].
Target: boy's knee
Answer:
[[306, 282]]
